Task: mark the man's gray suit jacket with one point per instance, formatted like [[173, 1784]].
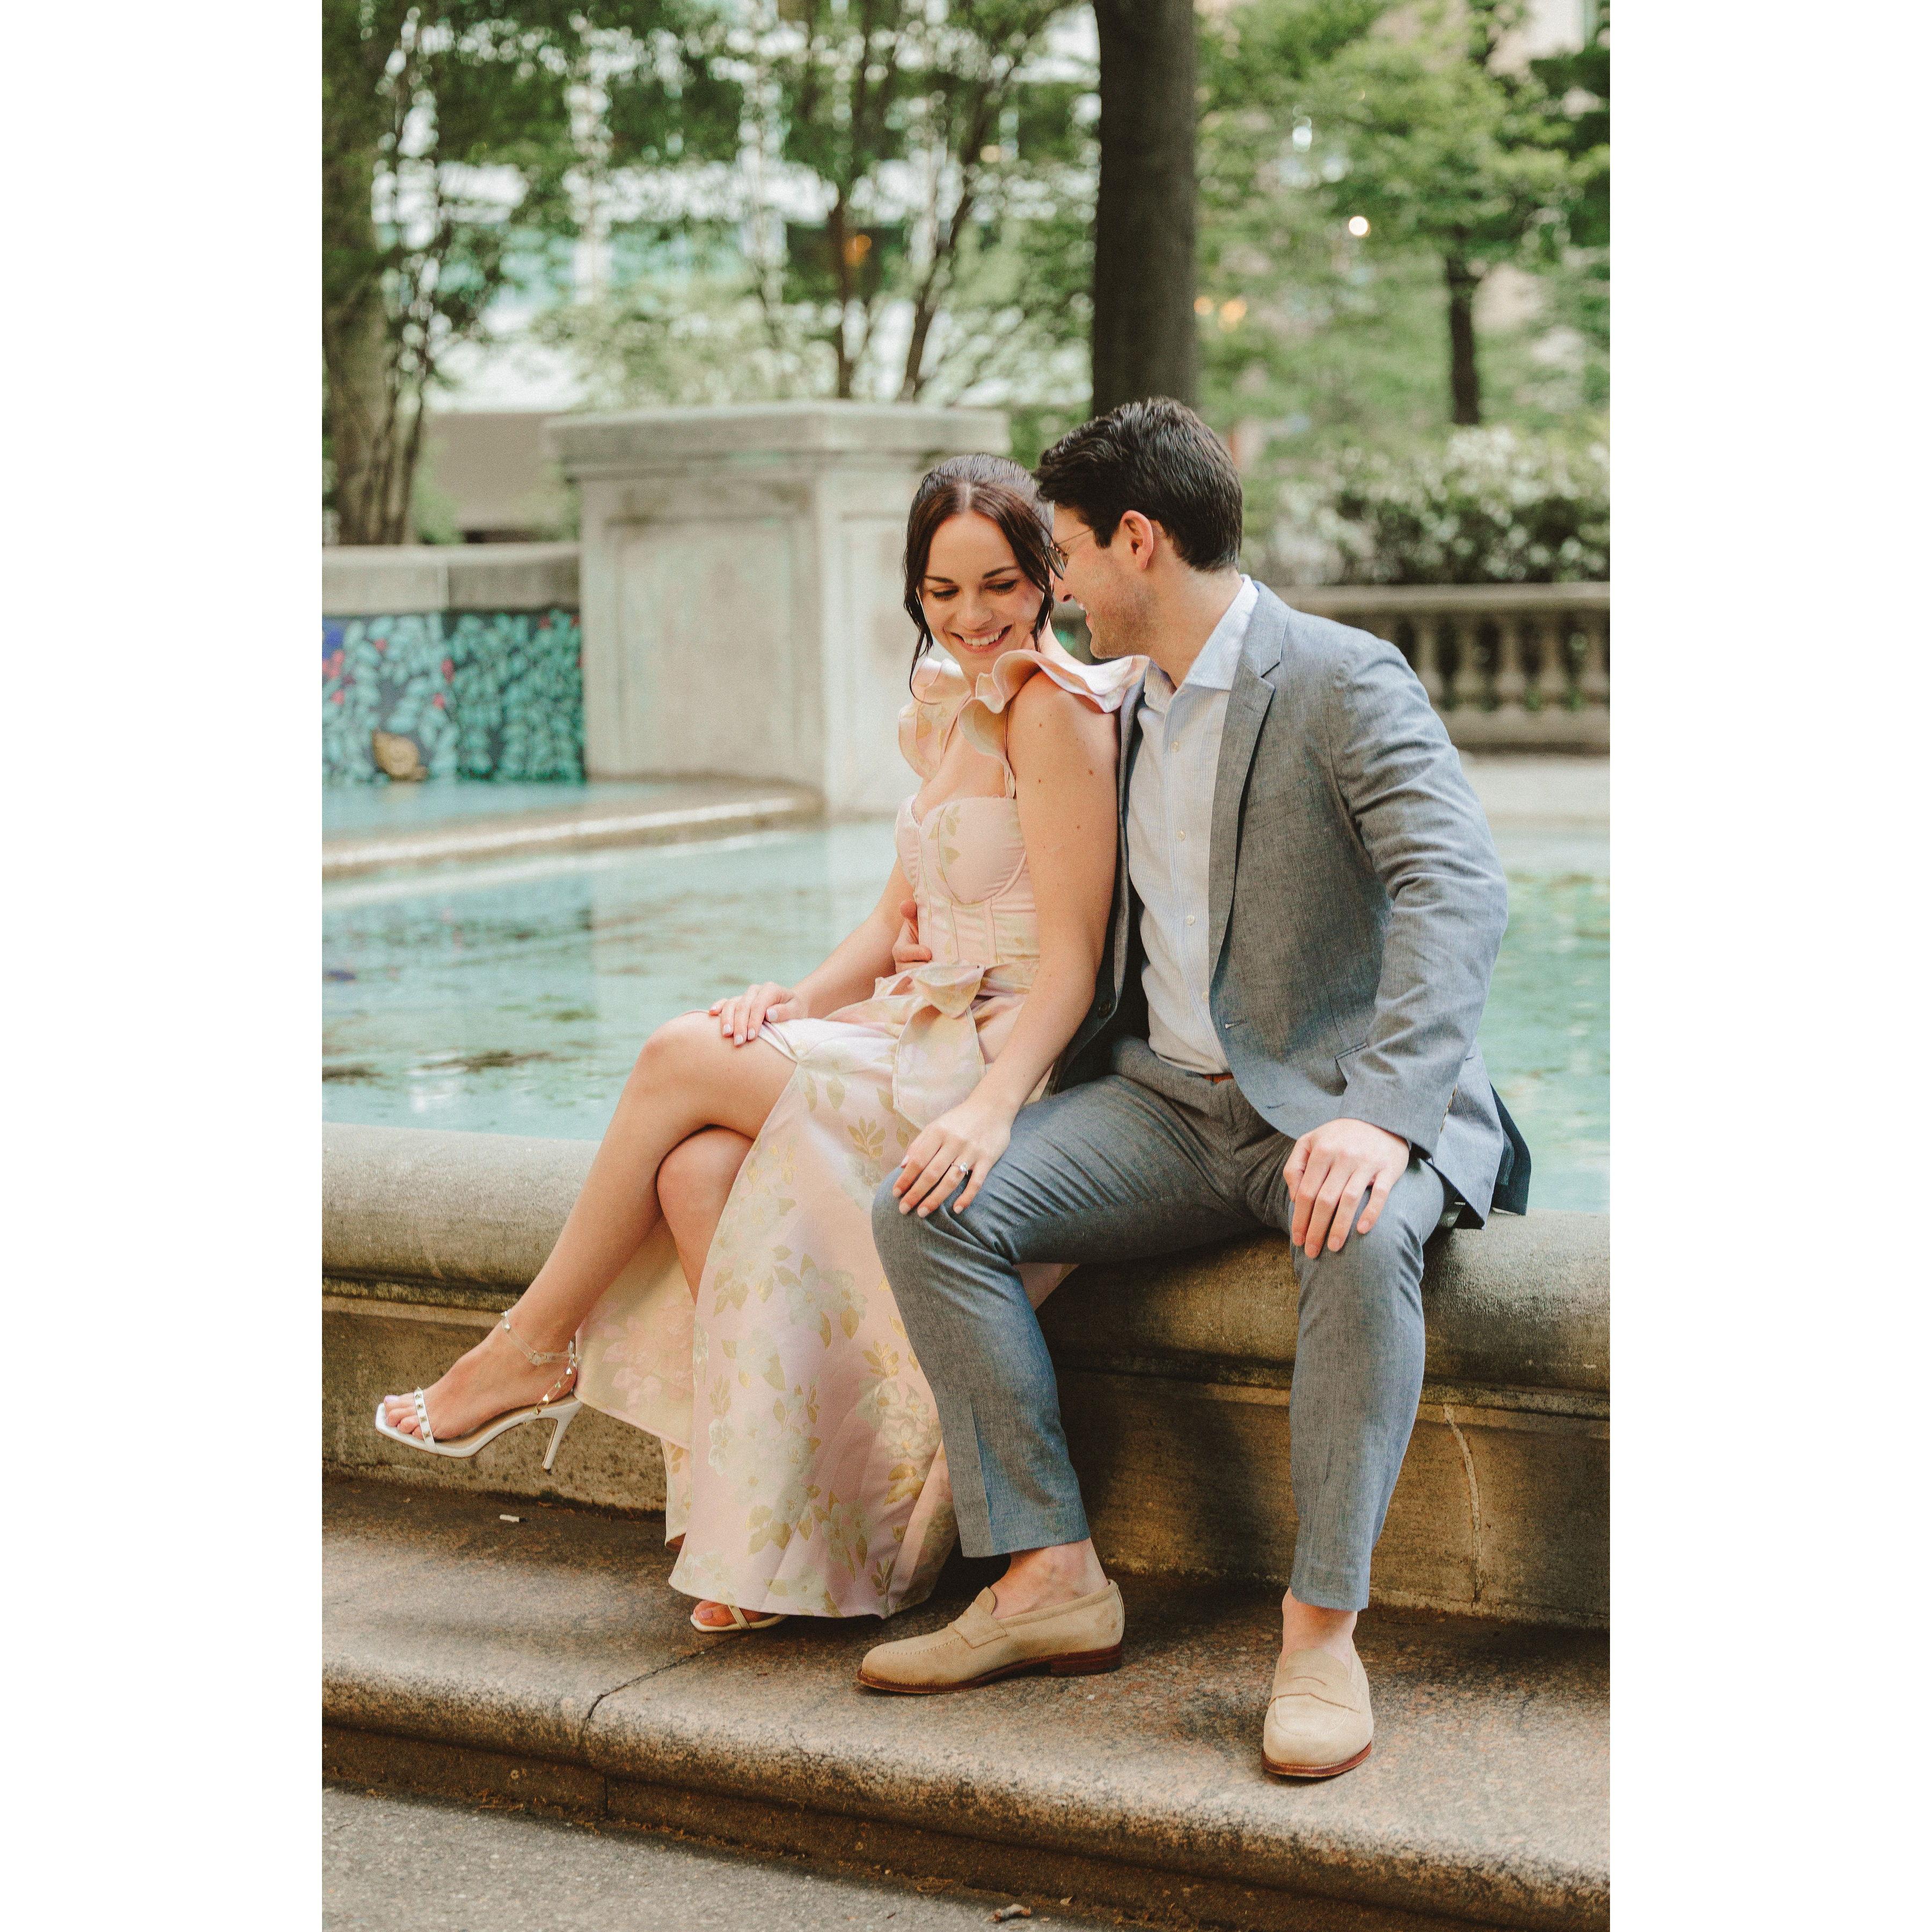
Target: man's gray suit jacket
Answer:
[[1355, 902]]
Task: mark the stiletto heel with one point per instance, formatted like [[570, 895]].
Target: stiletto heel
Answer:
[[564, 1418], [563, 1412]]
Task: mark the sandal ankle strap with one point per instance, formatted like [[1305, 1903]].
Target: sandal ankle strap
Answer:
[[537, 1358]]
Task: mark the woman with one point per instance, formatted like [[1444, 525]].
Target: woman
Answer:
[[804, 1469]]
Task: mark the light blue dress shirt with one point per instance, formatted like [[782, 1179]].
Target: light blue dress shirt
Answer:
[[1170, 814]]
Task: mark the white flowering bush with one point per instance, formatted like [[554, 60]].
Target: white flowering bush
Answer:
[[1487, 506]]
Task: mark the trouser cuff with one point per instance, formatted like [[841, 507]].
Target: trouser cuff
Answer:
[[1033, 1529], [1323, 1587]]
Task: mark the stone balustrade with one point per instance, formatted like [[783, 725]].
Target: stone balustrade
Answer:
[[1508, 665], [1522, 667]]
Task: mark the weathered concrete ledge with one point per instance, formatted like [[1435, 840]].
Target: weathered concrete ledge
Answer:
[[695, 810], [400, 580], [545, 1662], [627, 443], [1174, 1378]]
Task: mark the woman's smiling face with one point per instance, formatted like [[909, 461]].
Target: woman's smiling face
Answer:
[[978, 602]]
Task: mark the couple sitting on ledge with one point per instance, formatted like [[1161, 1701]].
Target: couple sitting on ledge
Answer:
[[1189, 942]]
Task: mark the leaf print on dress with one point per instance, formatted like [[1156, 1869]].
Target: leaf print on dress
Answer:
[[820, 1300]]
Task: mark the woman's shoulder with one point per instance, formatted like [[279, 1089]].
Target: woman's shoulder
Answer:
[[1043, 696], [1049, 726], [1046, 687], [1049, 673]]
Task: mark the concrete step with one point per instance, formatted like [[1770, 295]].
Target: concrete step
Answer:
[[543, 1662]]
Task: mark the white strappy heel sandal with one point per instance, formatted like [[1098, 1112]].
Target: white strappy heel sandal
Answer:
[[564, 1412]]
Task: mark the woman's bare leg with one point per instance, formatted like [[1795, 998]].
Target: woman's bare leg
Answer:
[[694, 1183], [689, 1077]]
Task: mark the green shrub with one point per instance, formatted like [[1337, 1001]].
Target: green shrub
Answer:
[[1487, 506]]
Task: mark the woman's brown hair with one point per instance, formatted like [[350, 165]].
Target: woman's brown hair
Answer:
[[994, 486]]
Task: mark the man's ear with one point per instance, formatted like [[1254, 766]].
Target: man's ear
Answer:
[[1139, 531]]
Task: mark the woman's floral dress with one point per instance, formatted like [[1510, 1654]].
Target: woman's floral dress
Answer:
[[803, 1458]]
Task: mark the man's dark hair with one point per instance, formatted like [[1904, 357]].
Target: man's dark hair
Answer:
[[1159, 458]]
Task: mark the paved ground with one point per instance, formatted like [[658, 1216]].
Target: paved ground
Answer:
[[552, 1646], [414, 1864]]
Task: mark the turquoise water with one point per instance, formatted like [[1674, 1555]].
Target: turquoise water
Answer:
[[512, 999]]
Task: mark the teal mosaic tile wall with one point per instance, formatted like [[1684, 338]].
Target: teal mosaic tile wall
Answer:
[[482, 694]]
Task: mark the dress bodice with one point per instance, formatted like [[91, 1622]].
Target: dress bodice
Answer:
[[966, 861], [965, 857]]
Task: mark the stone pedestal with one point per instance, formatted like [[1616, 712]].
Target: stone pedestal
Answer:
[[741, 588]]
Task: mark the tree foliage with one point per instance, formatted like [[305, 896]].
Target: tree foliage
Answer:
[[1451, 149], [909, 192], [454, 138]]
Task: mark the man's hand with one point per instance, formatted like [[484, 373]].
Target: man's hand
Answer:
[[1329, 1169], [907, 951]]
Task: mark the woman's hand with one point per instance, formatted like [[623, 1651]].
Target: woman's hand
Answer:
[[740, 1018], [962, 1145]]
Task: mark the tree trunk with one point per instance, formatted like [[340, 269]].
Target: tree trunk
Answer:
[[1144, 328], [1465, 382], [359, 408]]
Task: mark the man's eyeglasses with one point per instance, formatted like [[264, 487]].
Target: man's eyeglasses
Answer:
[[1058, 551]]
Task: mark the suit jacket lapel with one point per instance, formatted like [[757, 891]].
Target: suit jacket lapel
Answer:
[[1130, 738], [1130, 706], [1248, 703]]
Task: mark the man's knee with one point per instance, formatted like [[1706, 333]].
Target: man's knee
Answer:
[[897, 1237], [1387, 1261]]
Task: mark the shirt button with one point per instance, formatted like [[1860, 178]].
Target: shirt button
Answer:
[[1190, 919], [1182, 836]]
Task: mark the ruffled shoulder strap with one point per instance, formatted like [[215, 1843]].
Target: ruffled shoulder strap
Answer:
[[1103, 686], [939, 689]]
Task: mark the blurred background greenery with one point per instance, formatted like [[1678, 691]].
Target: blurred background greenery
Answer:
[[1399, 219]]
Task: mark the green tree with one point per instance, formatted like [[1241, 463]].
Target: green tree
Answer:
[[907, 217], [1580, 82], [1451, 150], [456, 139], [872, 85]]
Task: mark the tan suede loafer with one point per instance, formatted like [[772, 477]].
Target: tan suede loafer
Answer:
[[1078, 1639], [1318, 1722]]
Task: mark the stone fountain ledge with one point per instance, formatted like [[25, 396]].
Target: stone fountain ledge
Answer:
[[1173, 1375], [693, 809]]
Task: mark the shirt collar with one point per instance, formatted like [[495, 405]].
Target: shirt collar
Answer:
[[1214, 669]]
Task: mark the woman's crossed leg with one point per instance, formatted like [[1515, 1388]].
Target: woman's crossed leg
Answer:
[[688, 1078]]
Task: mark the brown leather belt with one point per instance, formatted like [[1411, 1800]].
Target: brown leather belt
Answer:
[[1217, 1078]]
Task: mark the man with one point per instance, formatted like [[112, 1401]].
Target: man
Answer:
[[1307, 911]]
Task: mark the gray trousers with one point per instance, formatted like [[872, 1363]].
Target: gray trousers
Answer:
[[1147, 1160]]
